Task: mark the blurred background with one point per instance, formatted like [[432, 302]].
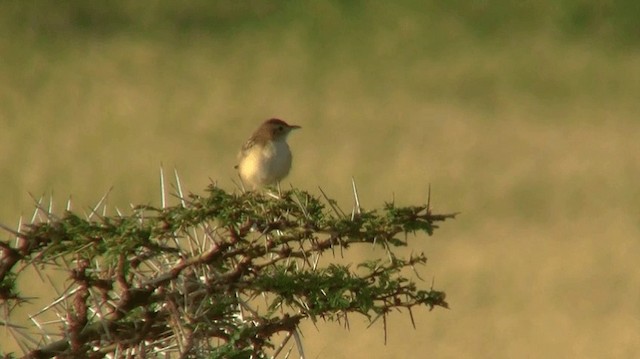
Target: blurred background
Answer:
[[524, 116]]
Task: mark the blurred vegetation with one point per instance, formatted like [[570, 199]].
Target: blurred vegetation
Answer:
[[606, 21], [509, 46]]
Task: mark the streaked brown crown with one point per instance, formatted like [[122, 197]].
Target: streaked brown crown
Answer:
[[272, 129], [269, 130]]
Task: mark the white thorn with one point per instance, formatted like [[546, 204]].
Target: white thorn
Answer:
[[162, 189], [179, 185]]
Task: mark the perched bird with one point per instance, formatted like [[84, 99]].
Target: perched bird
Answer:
[[265, 159]]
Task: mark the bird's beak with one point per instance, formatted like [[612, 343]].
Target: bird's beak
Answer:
[[294, 127]]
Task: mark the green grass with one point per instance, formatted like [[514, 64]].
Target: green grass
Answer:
[[522, 116]]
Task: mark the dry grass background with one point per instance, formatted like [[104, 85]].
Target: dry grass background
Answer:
[[529, 128]]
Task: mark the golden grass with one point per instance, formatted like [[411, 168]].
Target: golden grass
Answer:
[[534, 142]]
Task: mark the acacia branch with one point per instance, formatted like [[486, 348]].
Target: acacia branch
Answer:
[[184, 277]]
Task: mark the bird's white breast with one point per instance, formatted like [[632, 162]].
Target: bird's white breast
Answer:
[[266, 165]]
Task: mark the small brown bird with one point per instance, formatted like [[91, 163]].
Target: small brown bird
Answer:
[[265, 159]]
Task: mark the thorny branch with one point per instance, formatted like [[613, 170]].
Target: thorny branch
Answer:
[[189, 279]]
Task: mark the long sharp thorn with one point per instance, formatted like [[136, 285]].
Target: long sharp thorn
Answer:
[[336, 209], [429, 200], [162, 189], [40, 209], [94, 210], [296, 336], [68, 206], [384, 323], [179, 185], [18, 230], [50, 209], [282, 345], [413, 322], [35, 212], [356, 197]]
